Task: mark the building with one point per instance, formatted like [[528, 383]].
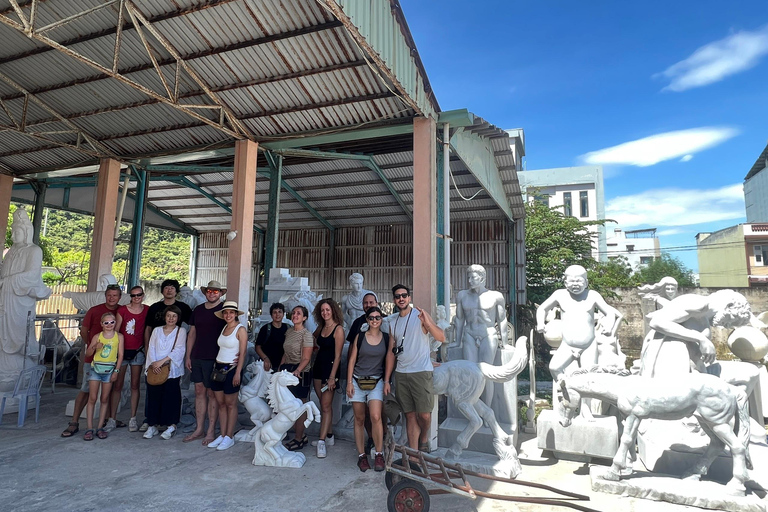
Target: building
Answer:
[[639, 246], [756, 190], [734, 257], [578, 190]]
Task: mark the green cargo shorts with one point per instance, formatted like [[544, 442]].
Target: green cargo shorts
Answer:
[[414, 391]]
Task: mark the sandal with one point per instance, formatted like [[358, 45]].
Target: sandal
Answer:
[[72, 429], [295, 445], [120, 424], [424, 447], [88, 436], [102, 434]]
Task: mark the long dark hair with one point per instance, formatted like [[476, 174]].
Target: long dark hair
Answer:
[[336, 314]]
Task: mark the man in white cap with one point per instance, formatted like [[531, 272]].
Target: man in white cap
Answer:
[[204, 329]]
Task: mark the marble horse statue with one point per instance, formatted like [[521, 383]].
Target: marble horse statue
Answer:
[[268, 439], [713, 402], [464, 381], [252, 396]]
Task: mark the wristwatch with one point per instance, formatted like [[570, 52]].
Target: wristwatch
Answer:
[[117, 370]]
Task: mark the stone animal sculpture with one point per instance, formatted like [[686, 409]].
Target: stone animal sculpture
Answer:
[[713, 402], [464, 381], [269, 450], [252, 396]]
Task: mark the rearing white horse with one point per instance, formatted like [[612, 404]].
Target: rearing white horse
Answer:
[[269, 450], [713, 402]]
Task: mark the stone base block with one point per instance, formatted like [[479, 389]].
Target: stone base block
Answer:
[[481, 442], [580, 441], [708, 495], [481, 463]]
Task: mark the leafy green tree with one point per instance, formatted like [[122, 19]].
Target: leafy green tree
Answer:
[[667, 265], [614, 273]]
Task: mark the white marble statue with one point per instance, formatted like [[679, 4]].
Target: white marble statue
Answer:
[[662, 292], [269, 449], [577, 304], [710, 400], [352, 303], [441, 319], [253, 397], [190, 297], [481, 321], [463, 382], [306, 298], [86, 300], [21, 286]]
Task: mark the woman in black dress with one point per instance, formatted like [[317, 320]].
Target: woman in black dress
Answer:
[[329, 338]]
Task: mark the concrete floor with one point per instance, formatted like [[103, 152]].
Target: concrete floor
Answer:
[[41, 471]]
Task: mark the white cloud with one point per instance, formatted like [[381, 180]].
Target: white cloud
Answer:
[[686, 158], [660, 147], [670, 232], [717, 60], [677, 207]]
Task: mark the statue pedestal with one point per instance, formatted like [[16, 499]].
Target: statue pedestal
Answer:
[[582, 440], [669, 447], [708, 495], [481, 463]]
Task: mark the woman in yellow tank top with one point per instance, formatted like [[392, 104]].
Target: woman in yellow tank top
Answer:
[[107, 350]]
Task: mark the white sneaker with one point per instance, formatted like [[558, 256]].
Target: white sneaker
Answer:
[[151, 432], [144, 426], [329, 441], [110, 425], [216, 442], [168, 432], [225, 444], [133, 425], [321, 452]]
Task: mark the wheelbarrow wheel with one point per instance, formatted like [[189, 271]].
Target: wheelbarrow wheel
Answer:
[[390, 479], [408, 496]]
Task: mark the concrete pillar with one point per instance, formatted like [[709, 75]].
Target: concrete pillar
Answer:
[[6, 188], [241, 248], [103, 244], [425, 214]]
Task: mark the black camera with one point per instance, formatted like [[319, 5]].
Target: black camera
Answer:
[[397, 350]]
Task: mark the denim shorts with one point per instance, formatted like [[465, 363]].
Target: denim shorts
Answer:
[[85, 387], [101, 377], [138, 360], [377, 393]]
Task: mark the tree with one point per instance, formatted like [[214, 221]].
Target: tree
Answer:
[[614, 273], [667, 265]]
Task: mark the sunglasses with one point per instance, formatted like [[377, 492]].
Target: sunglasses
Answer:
[[137, 295], [401, 295], [113, 287], [211, 290], [108, 323], [375, 318]]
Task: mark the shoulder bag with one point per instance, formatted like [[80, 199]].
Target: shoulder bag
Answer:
[[156, 379]]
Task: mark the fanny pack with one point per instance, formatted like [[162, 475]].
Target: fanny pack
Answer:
[[367, 383], [103, 368], [220, 372]]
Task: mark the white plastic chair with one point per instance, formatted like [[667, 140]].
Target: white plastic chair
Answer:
[[27, 385]]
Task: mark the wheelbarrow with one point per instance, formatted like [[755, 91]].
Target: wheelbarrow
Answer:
[[407, 480]]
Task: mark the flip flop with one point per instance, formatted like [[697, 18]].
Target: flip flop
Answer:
[[102, 434], [193, 437], [120, 424], [208, 441], [88, 436], [70, 431]]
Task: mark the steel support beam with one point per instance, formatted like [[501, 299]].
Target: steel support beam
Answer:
[[273, 214], [345, 136], [137, 228], [37, 216], [477, 154]]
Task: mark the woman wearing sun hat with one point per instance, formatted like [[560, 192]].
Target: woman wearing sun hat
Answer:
[[225, 379]]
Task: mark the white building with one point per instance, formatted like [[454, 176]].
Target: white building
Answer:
[[639, 246], [578, 190]]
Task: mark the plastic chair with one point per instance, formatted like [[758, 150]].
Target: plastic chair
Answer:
[[28, 385]]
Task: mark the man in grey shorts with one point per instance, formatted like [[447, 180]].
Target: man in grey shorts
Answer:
[[409, 330]]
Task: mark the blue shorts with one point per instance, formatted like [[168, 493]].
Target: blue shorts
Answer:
[[101, 377], [377, 393]]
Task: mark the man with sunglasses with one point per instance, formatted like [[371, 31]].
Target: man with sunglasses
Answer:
[[409, 334], [202, 347], [91, 326]]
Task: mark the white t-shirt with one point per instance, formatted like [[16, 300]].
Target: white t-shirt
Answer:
[[415, 355]]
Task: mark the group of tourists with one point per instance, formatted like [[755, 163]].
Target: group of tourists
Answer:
[[151, 340]]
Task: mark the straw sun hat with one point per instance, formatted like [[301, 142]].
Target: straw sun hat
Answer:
[[230, 305]]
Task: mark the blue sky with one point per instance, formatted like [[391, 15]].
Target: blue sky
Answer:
[[583, 78]]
